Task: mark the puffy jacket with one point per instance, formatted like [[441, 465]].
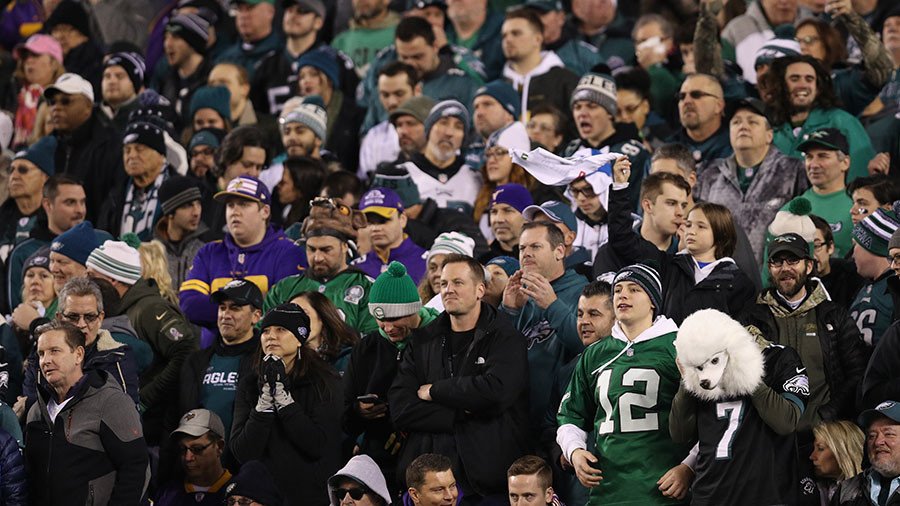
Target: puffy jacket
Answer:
[[13, 483], [218, 262], [480, 413], [778, 179], [844, 353], [159, 323], [300, 444], [93, 453], [105, 354]]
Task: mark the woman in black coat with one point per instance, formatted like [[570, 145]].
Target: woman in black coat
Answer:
[[287, 413]]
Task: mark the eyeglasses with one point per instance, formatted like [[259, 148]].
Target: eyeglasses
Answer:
[[196, 450], [809, 39], [695, 94], [496, 152], [895, 260], [355, 493], [238, 501], [819, 245], [21, 169], [89, 318], [631, 109], [587, 191], [790, 262]]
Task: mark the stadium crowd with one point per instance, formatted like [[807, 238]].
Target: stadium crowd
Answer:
[[450, 252]]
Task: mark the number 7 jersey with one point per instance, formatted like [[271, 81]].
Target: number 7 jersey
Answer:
[[623, 390]]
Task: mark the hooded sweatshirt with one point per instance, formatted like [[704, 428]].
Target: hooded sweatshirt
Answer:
[[550, 82], [552, 337], [363, 470], [624, 389]]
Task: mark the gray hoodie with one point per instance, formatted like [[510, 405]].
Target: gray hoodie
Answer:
[[364, 470]]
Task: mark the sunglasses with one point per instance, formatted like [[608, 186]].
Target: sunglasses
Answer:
[[694, 94], [76, 317], [21, 169], [355, 493]]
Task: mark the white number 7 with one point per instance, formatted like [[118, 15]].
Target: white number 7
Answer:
[[734, 411]]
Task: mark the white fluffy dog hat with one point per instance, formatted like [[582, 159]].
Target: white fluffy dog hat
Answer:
[[719, 357]]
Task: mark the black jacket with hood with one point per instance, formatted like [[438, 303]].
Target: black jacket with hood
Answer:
[[478, 415]]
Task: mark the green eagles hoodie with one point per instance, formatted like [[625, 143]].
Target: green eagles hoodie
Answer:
[[552, 338]]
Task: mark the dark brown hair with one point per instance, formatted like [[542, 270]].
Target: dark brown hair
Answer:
[[424, 464], [722, 225], [336, 334], [835, 48], [652, 185], [532, 464]]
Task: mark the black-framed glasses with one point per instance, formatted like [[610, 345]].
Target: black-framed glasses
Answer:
[[779, 262], [819, 245], [496, 152], [76, 317], [587, 191], [355, 493], [196, 450], [695, 94]]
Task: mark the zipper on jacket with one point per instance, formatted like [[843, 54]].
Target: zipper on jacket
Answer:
[[91, 495]]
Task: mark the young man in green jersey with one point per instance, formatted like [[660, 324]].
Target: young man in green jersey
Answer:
[[873, 307], [622, 389]]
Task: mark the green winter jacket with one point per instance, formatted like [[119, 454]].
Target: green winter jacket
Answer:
[[348, 291], [787, 138]]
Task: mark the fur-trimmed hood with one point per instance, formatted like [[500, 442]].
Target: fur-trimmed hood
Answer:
[[708, 332]]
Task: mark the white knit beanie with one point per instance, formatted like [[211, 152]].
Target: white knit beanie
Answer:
[[452, 242], [116, 260]]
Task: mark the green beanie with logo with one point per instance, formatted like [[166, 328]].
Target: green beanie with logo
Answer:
[[394, 294]]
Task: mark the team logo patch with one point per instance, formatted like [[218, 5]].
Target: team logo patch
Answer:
[[188, 416], [302, 331], [354, 294], [885, 405], [234, 283], [808, 486], [799, 384], [130, 138], [538, 333], [378, 312]]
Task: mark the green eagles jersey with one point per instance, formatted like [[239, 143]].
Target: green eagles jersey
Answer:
[[623, 391], [872, 309], [348, 291], [833, 208]]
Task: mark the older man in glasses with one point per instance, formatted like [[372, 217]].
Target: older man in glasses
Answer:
[[81, 304]]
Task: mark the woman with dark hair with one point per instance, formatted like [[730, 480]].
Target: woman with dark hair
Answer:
[[301, 182], [287, 412], [822, 41], [329, 334], [700, 276]]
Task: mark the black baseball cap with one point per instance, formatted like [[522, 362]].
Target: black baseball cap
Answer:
[[422, 4], [789, 243], [239, 291], [754, 104], [827, 138]]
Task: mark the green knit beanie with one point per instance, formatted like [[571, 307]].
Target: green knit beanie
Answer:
[[394, 294]]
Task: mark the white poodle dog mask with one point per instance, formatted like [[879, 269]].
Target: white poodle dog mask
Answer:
[[719, 357]]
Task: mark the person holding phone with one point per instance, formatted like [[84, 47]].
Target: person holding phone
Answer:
[[394, 303]]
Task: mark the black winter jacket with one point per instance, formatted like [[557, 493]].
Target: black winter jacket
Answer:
[[882, 380], [13, 483], [855, 492], [433, 220], [197, 362], [726, 288], [844, 353], [92, 153], [479, 414], [300, 444]]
